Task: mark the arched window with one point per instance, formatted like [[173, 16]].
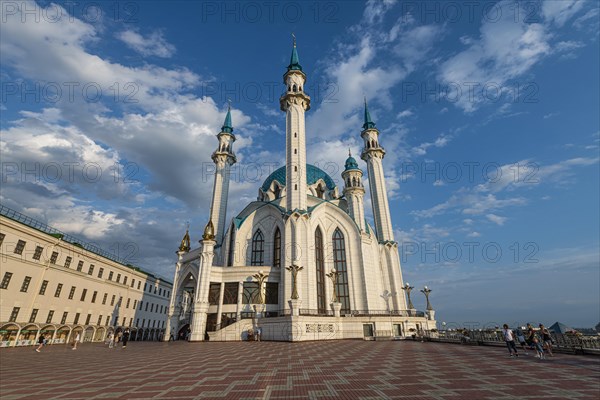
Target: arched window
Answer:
[[339, 263], [258, 248], [319, 262], [231, 246], [277, 249], [320, 192], [354, 181], [294, 88]]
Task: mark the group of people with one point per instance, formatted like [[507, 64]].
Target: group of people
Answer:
[[121, 336], [112, 340], [540, 340]]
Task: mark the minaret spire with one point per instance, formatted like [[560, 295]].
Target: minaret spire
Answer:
[[294, 60], [295, 102], [223, 158], [373, 155], [369, 124], [227, 126]]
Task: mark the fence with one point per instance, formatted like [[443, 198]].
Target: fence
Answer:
[[562, 342]]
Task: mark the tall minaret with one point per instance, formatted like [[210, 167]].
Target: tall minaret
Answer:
[[223, 158], [295, 102], [354, 191], [373, 155]]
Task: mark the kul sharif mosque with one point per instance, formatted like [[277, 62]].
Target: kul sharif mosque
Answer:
[[300, 262]]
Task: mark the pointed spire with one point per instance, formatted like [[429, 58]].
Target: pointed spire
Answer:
[[209, 231], [185, 242], [227, 126], [349, 152], [294, 60], [368, 122]]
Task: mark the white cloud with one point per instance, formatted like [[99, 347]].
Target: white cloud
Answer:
[[559, 12], [439, 142], [405, 113], [474, 234], [152, 45], [498, 220], [506, 49]]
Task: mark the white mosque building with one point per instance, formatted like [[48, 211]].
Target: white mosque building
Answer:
[[300, 262]]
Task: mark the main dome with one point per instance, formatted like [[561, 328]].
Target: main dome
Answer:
[[313, 174]]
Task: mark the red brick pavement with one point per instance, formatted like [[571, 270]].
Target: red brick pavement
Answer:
[[312, 370]]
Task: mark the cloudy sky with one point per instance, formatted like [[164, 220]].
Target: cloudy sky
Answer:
[[488, 112]]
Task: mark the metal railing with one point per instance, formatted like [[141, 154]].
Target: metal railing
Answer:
[[561, 342]]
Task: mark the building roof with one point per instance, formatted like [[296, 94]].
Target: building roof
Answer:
[[65, 237], [313, 174], [351, 164]]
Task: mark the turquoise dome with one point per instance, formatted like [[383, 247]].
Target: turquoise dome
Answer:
[[313, 174], [351, 164]]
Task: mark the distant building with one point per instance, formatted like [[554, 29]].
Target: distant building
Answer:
[[55, 284], [272, 265]]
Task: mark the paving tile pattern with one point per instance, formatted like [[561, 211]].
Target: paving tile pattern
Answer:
[[309, 370]]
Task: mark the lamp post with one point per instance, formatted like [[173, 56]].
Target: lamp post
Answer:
[[333, 275], [426, 292], [294, 269], [407, 288]]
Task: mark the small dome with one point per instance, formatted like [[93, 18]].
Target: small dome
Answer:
[[351, 164]]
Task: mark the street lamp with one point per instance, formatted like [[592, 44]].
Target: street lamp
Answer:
[[407, 288], [426, 292]]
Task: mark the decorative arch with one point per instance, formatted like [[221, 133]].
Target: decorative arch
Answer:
[[258, 248], [340, 264]]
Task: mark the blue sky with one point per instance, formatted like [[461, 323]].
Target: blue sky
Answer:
[[488, 112]]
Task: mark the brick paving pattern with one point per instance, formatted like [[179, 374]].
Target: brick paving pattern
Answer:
[[310, 370]]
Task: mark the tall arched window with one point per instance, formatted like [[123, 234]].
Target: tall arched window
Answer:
[[339, 260], [231, 246], [319, 262], [258, 248], [277, 249]]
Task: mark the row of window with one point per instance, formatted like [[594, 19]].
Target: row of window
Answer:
[[49, 319], [250, 293], [54, 257], [27, 280]]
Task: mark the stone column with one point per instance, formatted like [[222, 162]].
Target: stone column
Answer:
[[238, 311], [220, 305]]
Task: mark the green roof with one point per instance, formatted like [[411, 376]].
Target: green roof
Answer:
[[294, 60], [368, 122], [227, 126], [313, 174]]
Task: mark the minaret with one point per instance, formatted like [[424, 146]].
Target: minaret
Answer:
[[373, 155], [223, 158], [174, 308], [295, 103], [354, 191]]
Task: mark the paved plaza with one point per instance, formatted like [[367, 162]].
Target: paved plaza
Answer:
[[309, 370]]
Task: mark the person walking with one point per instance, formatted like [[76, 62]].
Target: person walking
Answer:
[[111, 340], [258, 333], [521, 339], [41, 342], [77, 338], [546, 339], [125, 337], [509, 338], [172, 337]]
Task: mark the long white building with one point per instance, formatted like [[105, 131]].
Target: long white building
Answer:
[[55, 284], [301, 261]]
